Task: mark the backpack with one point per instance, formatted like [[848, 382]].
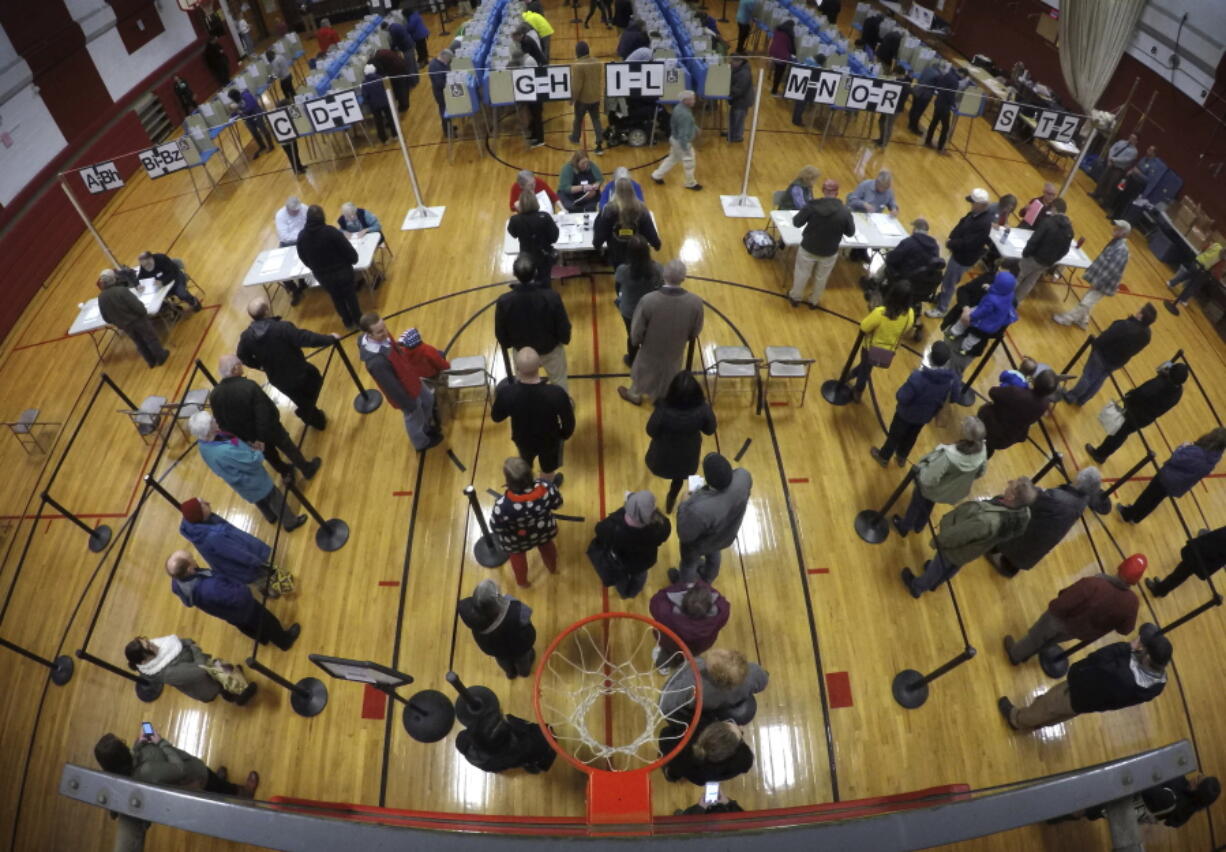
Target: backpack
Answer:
[[760, 244]]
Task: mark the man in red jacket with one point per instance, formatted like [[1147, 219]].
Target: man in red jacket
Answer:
[[695, 612], [1085, 611], [398, 368]]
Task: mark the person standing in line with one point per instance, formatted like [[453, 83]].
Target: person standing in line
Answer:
[[826, 221], [971, 530], [384, 359], [226, 549], [947, 86], [740, 98], [124, 310], [716, 752], [627, 542], [330, 256], [1053, 513], [275, 346], [1012, 410], [242, 468], [180, 663], [1111, 351], [226, 598], [945, 475], [290, 220], [682, 130], [919, 400], [883, 329], [533, 316], [695, 611], [1195, 275], [632, 280], [1142, 406], [438, 69], [587, 86], [967, 242], [709, 519], [622, 218], [244, 410], [1103, 275], [542, 415], [523, 518], [1086, 611], [1201, 556], [153, 760], [249, 108], [676, 428], [537, 232], [1049, 242], [1188, 465], [744, 23], [664, 322], [1116, 676], [502, 628], [419, 32], [1120, 157], [729, 683]]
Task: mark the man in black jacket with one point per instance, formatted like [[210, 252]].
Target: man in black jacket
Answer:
[[1202, 556], [275, 346], [967, 243], [537, 232], [1048, 243], [1119, 675], [914, 254], [947, 86], [1111, 350], [532, 316], [124, 310], [165, 271], [826, 221], [330, 256], [542, 416], [241, 408], [1142, 406]]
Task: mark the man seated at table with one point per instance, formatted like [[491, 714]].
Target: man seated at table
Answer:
[[124, 310], [527, 180], [874, 196], [619, 172], [291, 219], [907, 261], [165, 271], [1037, 207]]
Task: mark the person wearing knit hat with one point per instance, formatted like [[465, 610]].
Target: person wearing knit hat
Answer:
[[709, 519], [502, 627], [402, 373], [375, 96], [627, 542], [1086, 611], [1142, 406], [228, 550]]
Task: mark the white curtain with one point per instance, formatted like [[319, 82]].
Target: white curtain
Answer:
[[1093, 37]]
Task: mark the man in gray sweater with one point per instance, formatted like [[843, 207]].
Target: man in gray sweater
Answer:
[[710, 518], [682, 130]]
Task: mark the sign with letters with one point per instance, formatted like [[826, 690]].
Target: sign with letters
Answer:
[[289, 123], [812, 85], [634, 80], [1061, 126], [551, 83], [101, 177], [867, 93], [338, 109], [162, 160], [1007, 117], [920, 16]]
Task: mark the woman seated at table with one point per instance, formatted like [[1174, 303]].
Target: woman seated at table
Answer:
[[579, 183], [358, 220], [621, 219], [527, 180], [800, 191]]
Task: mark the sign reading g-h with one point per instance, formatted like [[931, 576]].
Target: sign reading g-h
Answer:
[[551, 83]]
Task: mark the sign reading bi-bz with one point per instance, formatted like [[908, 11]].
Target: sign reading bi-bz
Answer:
[[551, 83], [336, 110], [634, 80], [163, 159], [101, 177]]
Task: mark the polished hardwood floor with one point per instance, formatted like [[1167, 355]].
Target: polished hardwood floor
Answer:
[[811, 602]]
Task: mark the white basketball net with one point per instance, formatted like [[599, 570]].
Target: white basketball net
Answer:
[[607, 664]]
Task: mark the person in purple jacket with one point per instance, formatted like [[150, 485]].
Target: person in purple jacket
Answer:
[[1188, 465], [419, 32], [226, 598], [249, 108], [919, 399], [693, 610]]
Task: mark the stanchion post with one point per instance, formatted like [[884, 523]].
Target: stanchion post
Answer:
[[743, 205], [308, 696], [157, 486], [476, 702], [1215, 601], [420, 216], [872, 524], [1056, 459], [146, 690], [99, 537], [487, 551], [205, 370], [1053, 659], [1077, 355], [506, 361], [689, 355], [119, 392], [332, 534], [723, 12], [1102, 502], [837, 391], [983, 361], [61, 667], [368, 399], [911, 687]]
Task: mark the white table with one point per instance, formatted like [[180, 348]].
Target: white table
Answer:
[[1011, 248], [874, 231], [89, 317], [273, 266], [575, 233]]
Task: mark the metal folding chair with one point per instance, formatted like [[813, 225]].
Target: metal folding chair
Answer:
[[23, 429], [148, 418], [730, 362], [786, 362]]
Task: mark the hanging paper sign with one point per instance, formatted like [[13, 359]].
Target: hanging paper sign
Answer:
[[335, 110], [289, 123], [162, 160], [812, 85], [532, 85], [101, 177], [867, 93], [634, 80], [1007, 117], [1061, 126]]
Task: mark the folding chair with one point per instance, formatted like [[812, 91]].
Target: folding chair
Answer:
[[23, 429], [148, 417], [466, 373], [785, 362], [191, 282], [194, 401], [730, 362]]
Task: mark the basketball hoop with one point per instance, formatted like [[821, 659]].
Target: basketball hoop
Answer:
[[597, 696]]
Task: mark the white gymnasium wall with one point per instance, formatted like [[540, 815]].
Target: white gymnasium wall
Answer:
[[29, 136], [121, 71]]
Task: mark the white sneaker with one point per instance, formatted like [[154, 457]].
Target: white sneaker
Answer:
[[934, 313]]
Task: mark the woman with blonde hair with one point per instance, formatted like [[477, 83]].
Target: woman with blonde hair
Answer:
[[729, 682], [622, 218], [800, 191]]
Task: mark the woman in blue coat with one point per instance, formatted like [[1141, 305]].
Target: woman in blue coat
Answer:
[[227, 549], [1188, 465]]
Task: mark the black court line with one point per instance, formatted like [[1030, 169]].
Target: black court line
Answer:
[[740, 454]]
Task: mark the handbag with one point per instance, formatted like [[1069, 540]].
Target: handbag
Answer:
[[1111, 417], [604, 560], [879, 356], [280, 582], [228, 675]]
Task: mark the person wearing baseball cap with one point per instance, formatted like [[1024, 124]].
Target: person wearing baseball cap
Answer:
[[1103, 276], [966, 243], [1086, 611], [1123, 674]]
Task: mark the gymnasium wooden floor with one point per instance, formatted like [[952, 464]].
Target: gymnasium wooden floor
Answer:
[[811, 602]]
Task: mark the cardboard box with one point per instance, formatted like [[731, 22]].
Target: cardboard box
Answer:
[[1197, 238], [1183, 218]]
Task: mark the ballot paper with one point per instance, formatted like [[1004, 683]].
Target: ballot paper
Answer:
[[887, 225], [542, 198], [272, 262]]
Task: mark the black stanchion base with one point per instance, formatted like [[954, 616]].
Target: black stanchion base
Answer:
[[61, 672], [1053, 665], [836, 392], [148, 691], [1101, 503], [488, 552], [309, 697], [367, 401], [487, 706], [872, 526], [966, 399], [332, 535], [909, 689], [429, 716], [100, 538]]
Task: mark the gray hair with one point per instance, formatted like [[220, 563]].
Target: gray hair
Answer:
[[107, 276], [348, 208], [674, 272], [526, 178], [886, 177], [325, 22], [446, 54], [1024, 491], [293, 202], [687, 95], [973, 429], [621, 172], [201, 425], [227, 364], [920, 225], [1089, 480]]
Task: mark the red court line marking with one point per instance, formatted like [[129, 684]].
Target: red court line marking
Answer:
[[818, 571], [780, 402], [402, 493], [389, 583], [838, 687], [374, 703], [600, 488], [55, 517], [798, 480], [45, 342]]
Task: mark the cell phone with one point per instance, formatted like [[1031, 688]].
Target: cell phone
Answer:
[[711, 795], [147, 729]]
